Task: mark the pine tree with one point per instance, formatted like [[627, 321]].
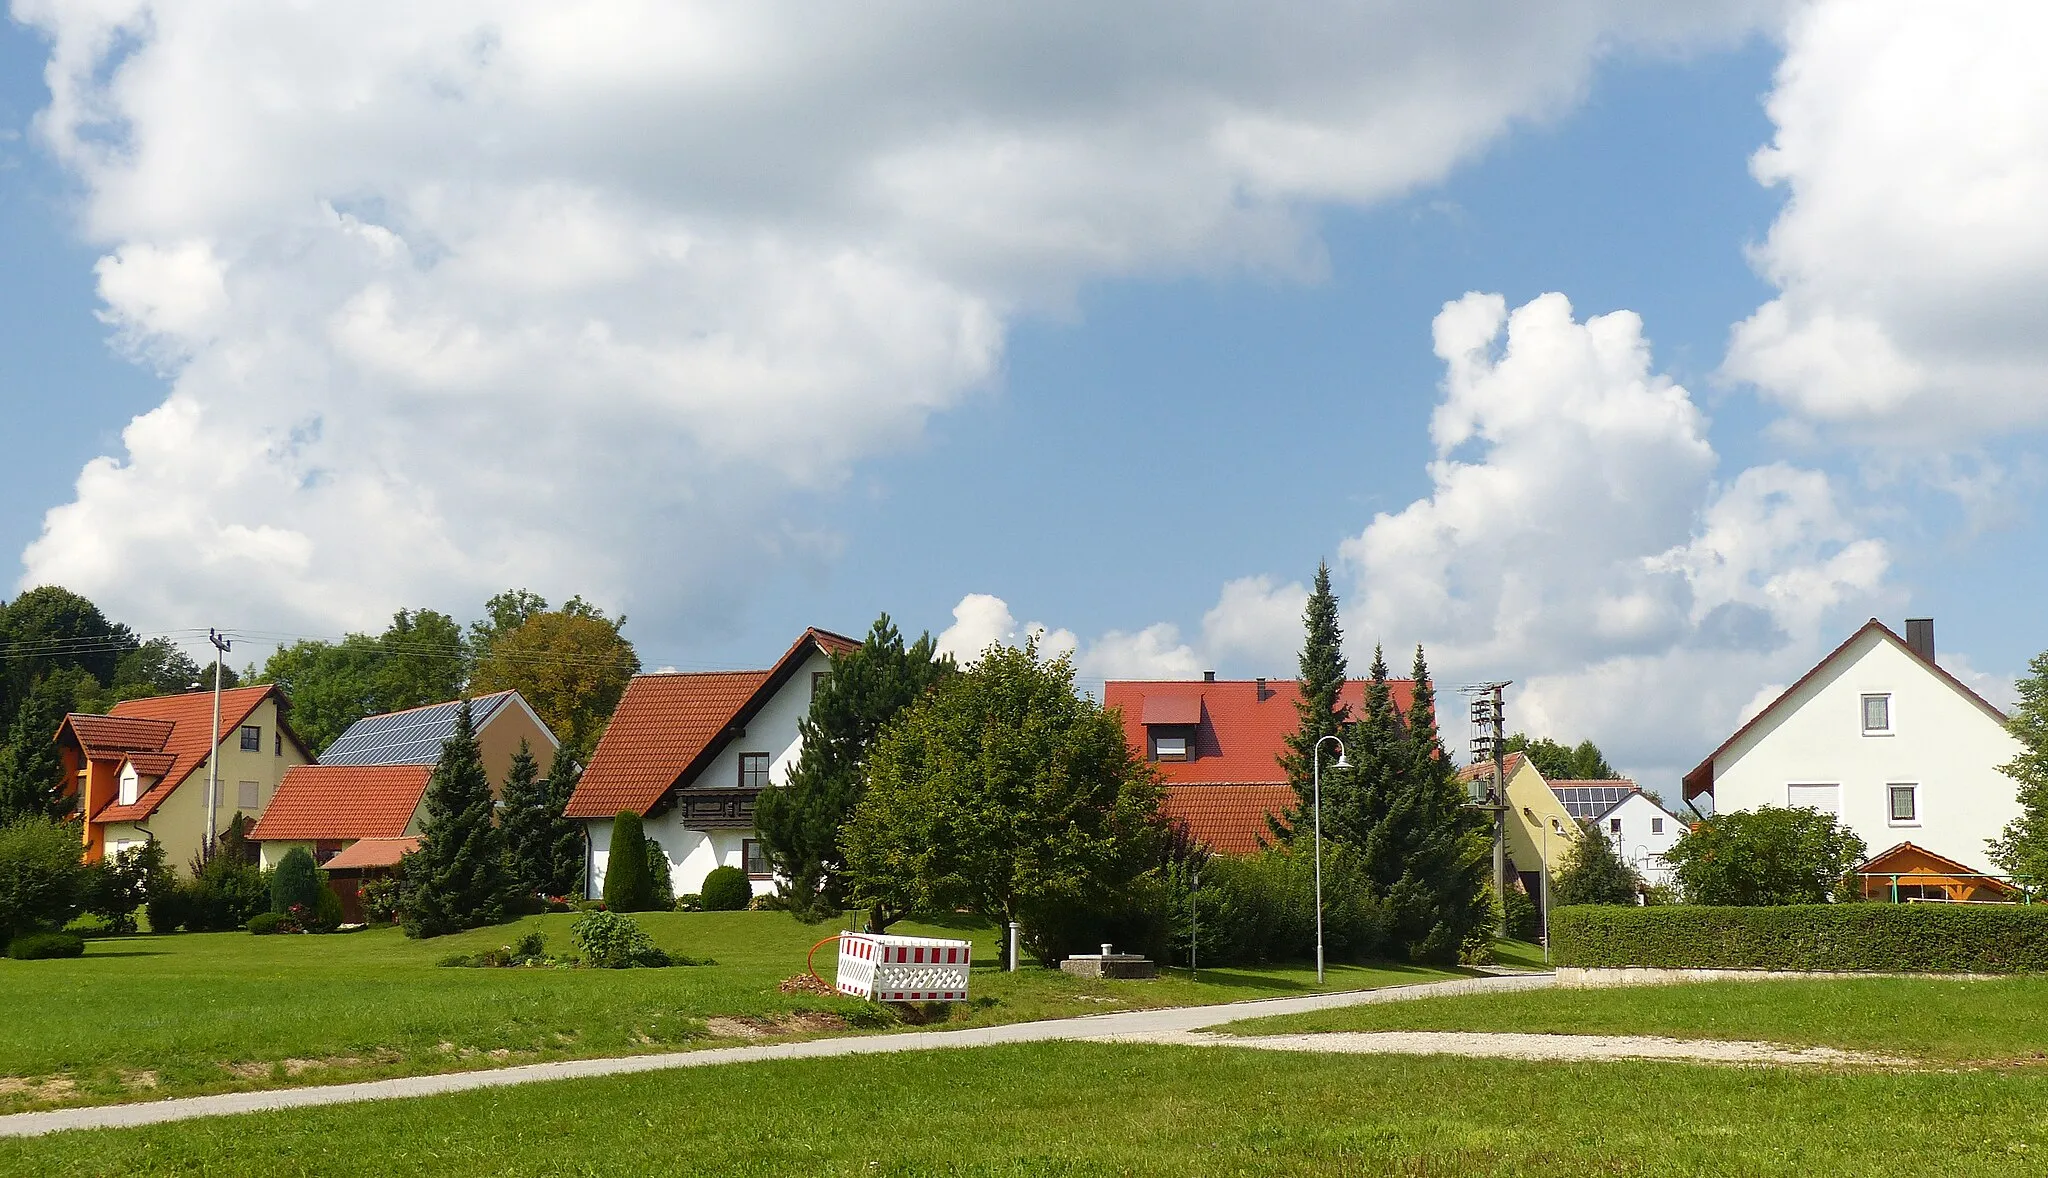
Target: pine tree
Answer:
[[529, 826], [456, 879], [1595, 874], [1321, 708], [566, 860], [627, 885], [2021, 849], [800, 820], [31, 772]]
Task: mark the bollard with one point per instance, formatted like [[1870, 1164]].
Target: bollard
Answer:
[[1013, 946]]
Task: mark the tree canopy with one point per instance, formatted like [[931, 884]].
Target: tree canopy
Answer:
[[1770, 855], [2021, 849], [1003, 793], [571, 664], [419, 659], [800, 821], [1594, 873], [1557, 762]]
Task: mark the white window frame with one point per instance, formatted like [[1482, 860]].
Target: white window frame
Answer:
[[1657, 825], [131, 785], [1160, 751], [1863, 713], [1891, 789]]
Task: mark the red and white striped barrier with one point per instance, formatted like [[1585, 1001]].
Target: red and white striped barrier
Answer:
[[903, 969]]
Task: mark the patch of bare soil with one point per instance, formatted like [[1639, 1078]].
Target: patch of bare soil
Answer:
[[138, 1080], [1511, 1045], [796, 1022], [47, 1088], [804, 983]]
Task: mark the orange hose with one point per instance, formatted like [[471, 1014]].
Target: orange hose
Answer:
[[812, 955]]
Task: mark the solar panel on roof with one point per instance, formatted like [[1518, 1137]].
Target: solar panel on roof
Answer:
[[412, 737], [1589, 801]]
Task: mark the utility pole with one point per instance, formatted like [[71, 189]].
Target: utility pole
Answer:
[[220, 647], [1489, 743]]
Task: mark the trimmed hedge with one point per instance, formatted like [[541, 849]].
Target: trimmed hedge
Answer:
[[1885, 938], [43, 946]]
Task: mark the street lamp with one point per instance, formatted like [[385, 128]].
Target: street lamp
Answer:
[[1316, 775], [1547, 828]]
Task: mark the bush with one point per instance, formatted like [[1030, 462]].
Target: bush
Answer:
[[379, 897], [295, 882], [1594, 873], [726, 889], [627, 885], [39, 946], [1891, 938], [661, 884], [1770, 855], [226, 894], [116, 887], [1261, 908], [612, 940], [170, 907], [263, 924], [42, 881], [325, 916], [1524, 922]]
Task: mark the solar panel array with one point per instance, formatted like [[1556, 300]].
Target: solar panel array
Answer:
[[411, 737], [1589, 801]]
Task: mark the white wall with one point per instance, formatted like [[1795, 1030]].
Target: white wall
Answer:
[[1640, 841], [693, 853], [1940, 741]]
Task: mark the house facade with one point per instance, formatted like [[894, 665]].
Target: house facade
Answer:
[[1879, 735], [142, 771], [327, 809], [690, 752], [1639, 829], [415, 736], [1217, 745]]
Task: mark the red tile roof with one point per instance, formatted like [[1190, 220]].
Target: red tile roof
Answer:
[[1240, 736], [343, 802], [372, 853], [1511, 765], [667, 727], [182, 721], [1231, 819]]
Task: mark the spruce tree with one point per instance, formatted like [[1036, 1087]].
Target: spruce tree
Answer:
[[1320, 709], [528, 825], [627, 885], [31, 771], [456, 879], [566, 861], [800, 820]]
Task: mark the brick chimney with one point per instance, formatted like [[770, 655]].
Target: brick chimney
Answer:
[[1920, 637]]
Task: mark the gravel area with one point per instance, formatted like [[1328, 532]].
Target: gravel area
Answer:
[[1511, 1045]]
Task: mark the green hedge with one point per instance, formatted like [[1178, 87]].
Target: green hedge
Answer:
[[1891, 938]]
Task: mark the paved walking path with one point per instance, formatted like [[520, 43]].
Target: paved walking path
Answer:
[[1177, 1020]]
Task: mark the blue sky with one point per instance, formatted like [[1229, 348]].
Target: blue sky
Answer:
[[1090, 396]]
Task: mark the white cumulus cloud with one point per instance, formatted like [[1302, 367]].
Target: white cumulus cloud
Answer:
[[461, 295]]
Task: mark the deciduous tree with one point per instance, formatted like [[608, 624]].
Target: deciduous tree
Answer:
[[1556, 762], [1770, 855], [1594, 873], [419, 659], [2021, 849], [571, 665], [800, 820]]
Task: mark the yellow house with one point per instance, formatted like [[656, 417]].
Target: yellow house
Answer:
[[414, 736], [143, 772]]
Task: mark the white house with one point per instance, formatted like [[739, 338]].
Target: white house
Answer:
[[1641, 831], [1880, 736], [691, 752]]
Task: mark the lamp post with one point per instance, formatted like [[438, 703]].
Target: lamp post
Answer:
[[1316, 777], [1547, 828]]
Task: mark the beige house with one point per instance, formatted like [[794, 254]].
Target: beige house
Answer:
[[143, 771]]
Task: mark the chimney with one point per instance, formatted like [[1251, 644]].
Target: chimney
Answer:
[[1261, 685], [1208, 676], [1920, 637]]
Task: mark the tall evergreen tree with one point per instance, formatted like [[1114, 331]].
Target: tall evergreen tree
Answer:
[[800, 822], [456, 879], [31, 772], [1320, 709], [566, 862], [528, 825], [628, 886]]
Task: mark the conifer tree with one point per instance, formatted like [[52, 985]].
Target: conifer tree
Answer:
[[566, 861], [529, 827], [456, 879], [800, 821], [2021, 849], [1320, 707], [628, 886]]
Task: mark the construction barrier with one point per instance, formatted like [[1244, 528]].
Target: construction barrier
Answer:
[[903, 969]]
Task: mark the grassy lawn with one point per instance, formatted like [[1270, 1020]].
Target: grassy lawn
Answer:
[[1071, 1108], [2002, 1020], [147, 1017]]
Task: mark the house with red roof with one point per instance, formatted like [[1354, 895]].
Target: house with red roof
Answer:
[[1217, 745], [142, 772], [691, 752]]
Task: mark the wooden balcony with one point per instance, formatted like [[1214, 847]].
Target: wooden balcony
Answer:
[[716, 808]]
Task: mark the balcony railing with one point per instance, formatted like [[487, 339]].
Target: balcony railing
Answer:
[[716, 808]]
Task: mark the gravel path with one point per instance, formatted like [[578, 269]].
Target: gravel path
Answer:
[[1509, 1045], [1173, 1020]]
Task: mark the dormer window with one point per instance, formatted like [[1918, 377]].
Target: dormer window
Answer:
[[1170, 723], [130, 785], [1169, 748]]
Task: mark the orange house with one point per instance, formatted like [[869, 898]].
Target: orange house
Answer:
[[141, 772]]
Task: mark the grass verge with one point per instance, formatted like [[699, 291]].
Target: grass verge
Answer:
[[148, 1017], [2003, 1020], [1070, 1108]]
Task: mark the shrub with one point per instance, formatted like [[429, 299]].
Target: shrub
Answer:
[[264, 924], [226, 894], [116, 887], [613, 940], [42, 881], [170, 907], [1893, 938], [295, 882], [1770, 855], [1261, 907], [726, 889], [627, 886], [379, 897], [690, 902], [38, 946], [1524, 922], [325, 916], [661, 884], [1594, 873]]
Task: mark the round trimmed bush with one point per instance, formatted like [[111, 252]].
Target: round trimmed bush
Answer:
[[727, 889], [264, 924], [40, 946]]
